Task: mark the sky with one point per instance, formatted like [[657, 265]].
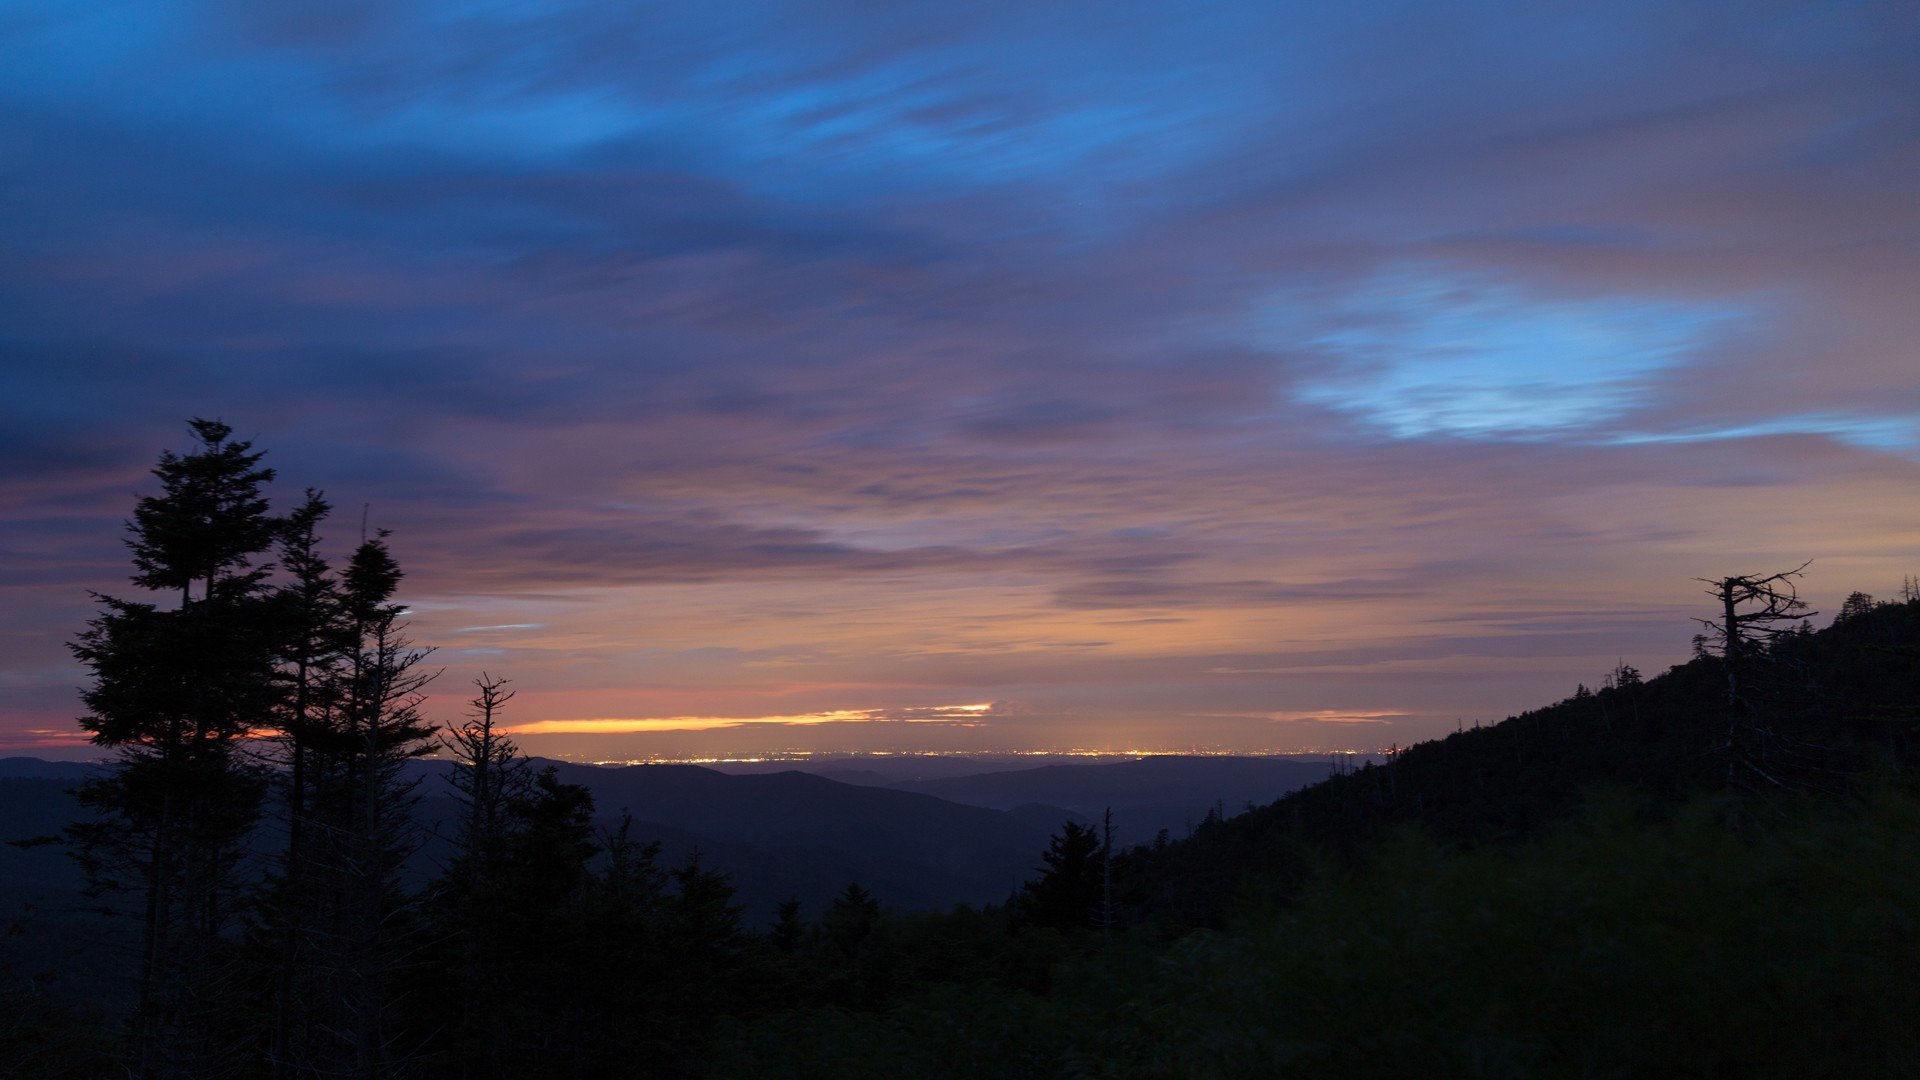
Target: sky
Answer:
[[924, 376]]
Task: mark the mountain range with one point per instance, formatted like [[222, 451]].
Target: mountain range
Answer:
[[915, 844]]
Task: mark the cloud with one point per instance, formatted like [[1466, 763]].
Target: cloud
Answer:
[[1421, 352], [749, 362], [935, 714], [1335, 716]]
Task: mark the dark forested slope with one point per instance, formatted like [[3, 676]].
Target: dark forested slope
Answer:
[[1829, 706], [1651, 879]]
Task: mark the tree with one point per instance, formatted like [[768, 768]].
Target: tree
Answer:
[[375, 801], [1106, 871], [209, 522], [310, 617], [523, 931], [1755, 609], [788, 928], [1854, 606], [175, 692], [1067, 894], [352, 923], [489, 774], [850, 918]]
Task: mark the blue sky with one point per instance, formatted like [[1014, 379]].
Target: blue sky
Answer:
[[1159, 374]]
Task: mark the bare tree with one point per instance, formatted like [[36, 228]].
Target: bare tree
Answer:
[[1754, 610], [489, 772]]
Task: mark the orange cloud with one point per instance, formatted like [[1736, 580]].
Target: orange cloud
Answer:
[[1337, 716], [628, 725]]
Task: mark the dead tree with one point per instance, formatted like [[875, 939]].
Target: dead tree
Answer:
[[488, 775], [1754, 610]]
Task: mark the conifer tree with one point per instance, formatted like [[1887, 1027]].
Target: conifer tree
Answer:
[[176, 691], [1067, 893], [788, 929], [376, 798], [850, 918], [347, 925], [311, 621]]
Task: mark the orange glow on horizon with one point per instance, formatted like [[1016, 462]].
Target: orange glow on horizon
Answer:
[[953, 714]]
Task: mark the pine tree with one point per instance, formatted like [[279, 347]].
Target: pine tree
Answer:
[[311, 620], [176, 691], [384, 730], [850, 918], [788, 929], [1066, 896]]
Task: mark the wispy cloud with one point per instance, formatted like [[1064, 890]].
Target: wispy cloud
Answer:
[[725, 365], [1338, 716], [935, 714]]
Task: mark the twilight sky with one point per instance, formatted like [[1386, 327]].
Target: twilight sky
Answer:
[[748, 376]]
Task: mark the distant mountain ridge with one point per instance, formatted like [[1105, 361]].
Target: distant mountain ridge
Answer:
[[28, 768], [916, 845], [984, 853], [1171, 792]]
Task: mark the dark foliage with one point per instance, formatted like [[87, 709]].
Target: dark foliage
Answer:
[[1585, 889]]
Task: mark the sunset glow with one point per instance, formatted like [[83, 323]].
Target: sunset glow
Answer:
[[947, 714], [743, 378]]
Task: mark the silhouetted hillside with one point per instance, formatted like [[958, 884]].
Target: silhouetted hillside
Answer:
[[1604, 886], [1832, 700]]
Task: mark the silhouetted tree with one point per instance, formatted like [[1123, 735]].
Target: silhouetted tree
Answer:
[[1106, 872], [175, 692], [788, 928], [850, 918], [1855, 605], [488, 775], [703, 917], [1754, 610], [492, 786], [1067, 893], [316, 642], [378, 827], [356, 922]]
